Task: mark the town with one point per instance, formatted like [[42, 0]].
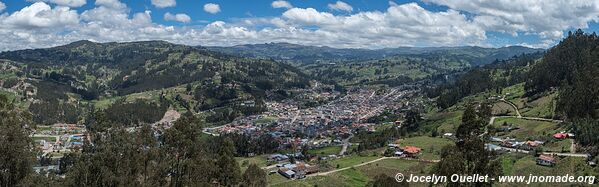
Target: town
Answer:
[[330, 124]]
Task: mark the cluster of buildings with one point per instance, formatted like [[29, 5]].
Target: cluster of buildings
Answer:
[[406, 151], [60, 138], [513, 143], [56, 140], [334, 119], [296, 127]]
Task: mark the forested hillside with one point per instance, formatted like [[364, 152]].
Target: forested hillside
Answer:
[[494, 77], [573, 67], [396, 70], [57, 84], [565, 78]]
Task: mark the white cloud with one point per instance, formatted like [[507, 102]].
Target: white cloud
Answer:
[[41, 15], [69, 3], [2, 6], [547, 20], [341, 6], [41, 25], [164, 3], [309, 16], [114, 4], [184, 18], [212, 8], [281, 4]]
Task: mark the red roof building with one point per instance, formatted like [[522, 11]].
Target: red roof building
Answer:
[[411, 149], [560, 135]]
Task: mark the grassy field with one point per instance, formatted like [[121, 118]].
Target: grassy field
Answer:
[[351, 160], [526, 165], [504, 109], [444, 121], [325, 151], [557, 146], [543, 107], [244, 162], [528, 128], [393, 166], [358, 176], [430, 146]]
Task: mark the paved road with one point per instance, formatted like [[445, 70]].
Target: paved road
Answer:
[[345, 145]]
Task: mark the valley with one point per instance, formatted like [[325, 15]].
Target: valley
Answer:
[[347, 122]]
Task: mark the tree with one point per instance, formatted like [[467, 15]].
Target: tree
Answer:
[[15, 144], [413, 119], [230, 173], [188, 87], [254, 176], [469, 156]]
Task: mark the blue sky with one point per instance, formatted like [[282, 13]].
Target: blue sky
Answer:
[[343, 24]]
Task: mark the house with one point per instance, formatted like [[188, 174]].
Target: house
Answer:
[[287, 172], [448, 135], [493, 147], [278, 157], [398, 153], [398, 123], [411, 151], [560, 135], [546, 160], [496, 139], [532, 143]]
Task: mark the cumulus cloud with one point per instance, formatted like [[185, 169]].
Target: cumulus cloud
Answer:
[[69, 3], [114, 4], [41, 15], [341, 6], [547, 20], [309, 16], [463, 23], [281, 4], [212, 8], [402, 25], [184, 18], [2, 6], [164, 3]]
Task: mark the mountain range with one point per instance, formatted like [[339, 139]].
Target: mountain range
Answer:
[[312, 54]]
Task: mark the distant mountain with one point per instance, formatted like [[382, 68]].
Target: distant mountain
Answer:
[[53, 80], [313, 54]]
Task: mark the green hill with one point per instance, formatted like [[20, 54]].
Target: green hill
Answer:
[[61, 82]]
